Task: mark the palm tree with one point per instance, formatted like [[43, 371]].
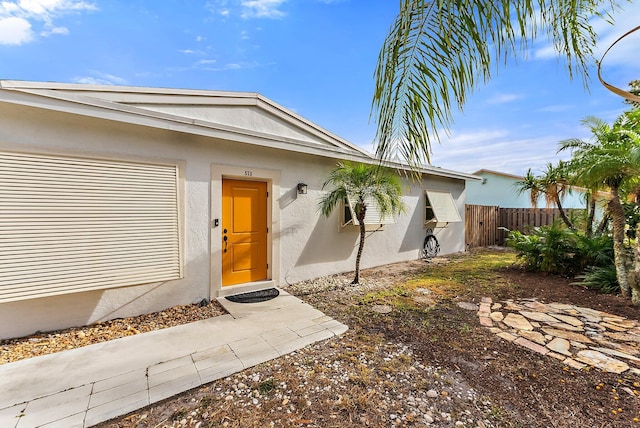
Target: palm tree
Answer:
[[438, 52], [634, 88], [531, 184], [553, 184], [362, 184], [609, 160]]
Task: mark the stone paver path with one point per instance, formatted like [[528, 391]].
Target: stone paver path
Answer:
[[579, 337]]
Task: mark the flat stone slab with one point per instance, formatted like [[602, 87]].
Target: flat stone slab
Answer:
[[601, 361], [561, 346], [497, 316], [534, 336], [565, 326], [614, 327], [531, 345], [538, 316], [468, 306], [577, 336], [486, 321], [569, 335], [517, 321], [569, 320]]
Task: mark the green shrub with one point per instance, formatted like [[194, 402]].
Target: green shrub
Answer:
[[558, 250], [595, 251], [601, 278], [552, 249], [527, 249]]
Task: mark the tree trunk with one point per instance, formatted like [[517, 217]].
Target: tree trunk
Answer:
[[591, 212], [603, 223], [360, 216], [619, 252], [563, 215], [634, 280]]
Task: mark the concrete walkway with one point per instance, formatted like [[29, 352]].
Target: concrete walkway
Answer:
[[85, 386]]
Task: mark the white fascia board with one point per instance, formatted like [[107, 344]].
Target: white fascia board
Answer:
[[124, 93], [430, 170]]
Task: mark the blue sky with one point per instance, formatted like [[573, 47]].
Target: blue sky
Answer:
[[315, 57]]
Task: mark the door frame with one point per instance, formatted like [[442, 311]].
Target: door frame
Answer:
[[272, 178]]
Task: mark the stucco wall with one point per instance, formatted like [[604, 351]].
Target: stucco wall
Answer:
[[307, 244]]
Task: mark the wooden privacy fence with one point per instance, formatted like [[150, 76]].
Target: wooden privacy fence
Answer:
[[483, 224]]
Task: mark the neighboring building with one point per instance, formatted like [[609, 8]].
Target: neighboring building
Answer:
[[118, 201], [499, 189]]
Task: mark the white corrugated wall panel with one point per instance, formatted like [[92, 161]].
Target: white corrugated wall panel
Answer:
[[73, 224]]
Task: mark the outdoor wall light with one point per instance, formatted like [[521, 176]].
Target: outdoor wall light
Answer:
[[302, 189]]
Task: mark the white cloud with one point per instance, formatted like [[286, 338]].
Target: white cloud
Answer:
[[55, 30], [15, 31], [557, 108], [626, 50], [262, 9], [625, 19], [503, 98], [496, 150], [18, 18], [100, 78]]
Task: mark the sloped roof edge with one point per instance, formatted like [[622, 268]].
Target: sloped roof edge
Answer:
[[129, 96]]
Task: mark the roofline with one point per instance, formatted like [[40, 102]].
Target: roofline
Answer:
[[503, 174], [145, 117], [518, 177], [252, 98]]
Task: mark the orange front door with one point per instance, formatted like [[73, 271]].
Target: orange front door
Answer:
[[244, 231]]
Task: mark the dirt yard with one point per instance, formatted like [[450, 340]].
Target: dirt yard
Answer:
[[414, 357]]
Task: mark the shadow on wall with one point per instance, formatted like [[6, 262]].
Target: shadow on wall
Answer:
[[415, 232], [327, 243], [287, 198]]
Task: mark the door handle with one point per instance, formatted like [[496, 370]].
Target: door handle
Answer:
[[225, 239]]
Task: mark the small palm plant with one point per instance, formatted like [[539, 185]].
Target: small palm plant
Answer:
[[362, 184]]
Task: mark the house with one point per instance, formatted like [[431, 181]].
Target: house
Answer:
[[499, 189], [118, 201]]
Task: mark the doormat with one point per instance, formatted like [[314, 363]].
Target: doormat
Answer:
[[254, 296]]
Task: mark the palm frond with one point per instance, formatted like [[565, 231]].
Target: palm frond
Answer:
[[438, 52]]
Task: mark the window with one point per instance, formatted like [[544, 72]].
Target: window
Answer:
[[372, 217], [440, 208], [75, 224]]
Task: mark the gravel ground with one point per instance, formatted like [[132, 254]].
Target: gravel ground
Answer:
[[335, 383], [60, 340], [415, 356]]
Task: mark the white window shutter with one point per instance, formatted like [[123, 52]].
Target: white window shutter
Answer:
[[73, 224], [443, 206], [373, 215]]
